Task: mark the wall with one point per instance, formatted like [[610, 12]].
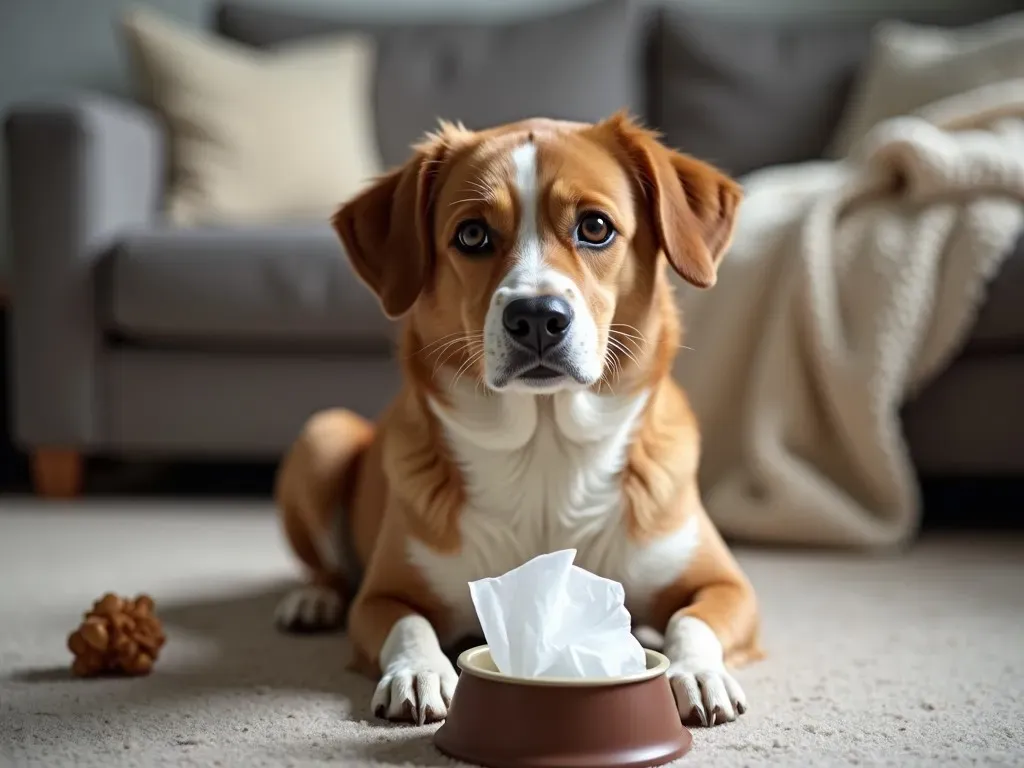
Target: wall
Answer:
[[48, 46]]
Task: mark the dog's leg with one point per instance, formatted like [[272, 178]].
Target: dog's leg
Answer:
[[417, 680], [710, 620], [705, 690], [393, 629], [313, 492]]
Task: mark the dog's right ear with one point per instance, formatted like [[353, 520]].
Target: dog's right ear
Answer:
[[387, 229], [694, 205]]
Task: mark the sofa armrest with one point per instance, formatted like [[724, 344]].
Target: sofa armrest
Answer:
[[82, 170]]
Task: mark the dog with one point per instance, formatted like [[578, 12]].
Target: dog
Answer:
[[529, 267]]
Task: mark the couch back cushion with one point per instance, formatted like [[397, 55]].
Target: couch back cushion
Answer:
[[748, 92], [582, 63]]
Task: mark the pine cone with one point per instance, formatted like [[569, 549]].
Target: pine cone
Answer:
[[118, 636]]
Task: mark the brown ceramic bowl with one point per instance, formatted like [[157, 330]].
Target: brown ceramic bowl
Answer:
[[500, 721]]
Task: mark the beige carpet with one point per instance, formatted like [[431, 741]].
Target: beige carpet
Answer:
[[914, 660]]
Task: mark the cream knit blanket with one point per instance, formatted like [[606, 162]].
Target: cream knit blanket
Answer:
[[848, 286]]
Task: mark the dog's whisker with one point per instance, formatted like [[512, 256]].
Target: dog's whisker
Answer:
[[448, 357], [465, 367], [472, 342], [637, 334], [436, 341], [624, 350], [617, 365], [453, 348], [460, 335], [441, 351], [447, 345], [616, 374], [618, 343], [626, 325], [624, 334], [611, 362], [456, 335], [638, 343], [476, 336]]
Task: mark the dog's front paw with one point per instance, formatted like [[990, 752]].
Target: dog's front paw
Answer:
[[705, 692], [706, 696], [419, 695], [310, 608]]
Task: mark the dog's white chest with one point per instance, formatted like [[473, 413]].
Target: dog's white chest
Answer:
[[545, 474]]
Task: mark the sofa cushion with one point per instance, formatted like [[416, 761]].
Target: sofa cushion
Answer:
[[749, 92], [268, 286], [583, 64]]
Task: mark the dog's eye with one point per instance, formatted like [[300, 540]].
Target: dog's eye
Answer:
[[473, 237], [594, 229]]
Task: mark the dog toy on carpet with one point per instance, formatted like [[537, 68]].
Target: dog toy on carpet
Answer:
[[118, 636]]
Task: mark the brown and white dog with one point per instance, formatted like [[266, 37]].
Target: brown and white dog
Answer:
[[529, 265]]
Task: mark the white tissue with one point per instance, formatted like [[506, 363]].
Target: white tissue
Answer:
[[550, 618]]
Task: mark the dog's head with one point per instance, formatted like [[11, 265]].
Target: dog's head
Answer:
[[532, 256]]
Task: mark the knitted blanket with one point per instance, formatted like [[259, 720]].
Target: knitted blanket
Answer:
[[849, 285]]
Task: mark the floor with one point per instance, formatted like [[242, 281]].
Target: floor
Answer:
[[909, 660]]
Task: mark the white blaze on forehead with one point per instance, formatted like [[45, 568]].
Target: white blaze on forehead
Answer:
[[529, 258], [529, 275]]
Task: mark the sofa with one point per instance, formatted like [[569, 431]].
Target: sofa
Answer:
[[135, 338]]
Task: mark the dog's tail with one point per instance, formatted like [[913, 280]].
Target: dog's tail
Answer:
[[315, 485]]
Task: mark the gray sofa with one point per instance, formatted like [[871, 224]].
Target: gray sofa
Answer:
[[135, 339]]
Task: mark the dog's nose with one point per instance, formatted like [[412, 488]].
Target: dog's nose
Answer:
[[539, 322]]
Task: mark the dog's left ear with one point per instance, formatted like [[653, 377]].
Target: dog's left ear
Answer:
[[387, 229], [692, 203]]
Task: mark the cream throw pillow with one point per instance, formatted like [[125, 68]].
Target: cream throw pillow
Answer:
[[911, 66], [256, 134]]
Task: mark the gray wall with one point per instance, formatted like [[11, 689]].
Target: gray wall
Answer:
[[48, 46]]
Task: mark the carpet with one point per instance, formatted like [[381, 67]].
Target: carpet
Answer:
[[903, 660]]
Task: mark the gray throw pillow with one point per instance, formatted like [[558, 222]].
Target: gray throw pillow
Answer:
[[749, 91], [745, 94]]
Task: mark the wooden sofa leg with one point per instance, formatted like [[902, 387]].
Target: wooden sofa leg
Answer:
[[57, 473]]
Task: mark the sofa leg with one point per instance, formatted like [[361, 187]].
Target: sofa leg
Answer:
[[57, 473]]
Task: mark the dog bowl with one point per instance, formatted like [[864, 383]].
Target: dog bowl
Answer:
[[499, 721]]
